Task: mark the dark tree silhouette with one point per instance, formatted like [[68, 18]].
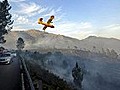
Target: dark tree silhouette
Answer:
[[75, 47], [20, 43], [77, 75], [5, 20], [114, 54]]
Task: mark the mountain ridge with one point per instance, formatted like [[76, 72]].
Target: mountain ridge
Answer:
[[35, 39]]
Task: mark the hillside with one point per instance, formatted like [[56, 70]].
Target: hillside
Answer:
[[35, 39], [100, 73]]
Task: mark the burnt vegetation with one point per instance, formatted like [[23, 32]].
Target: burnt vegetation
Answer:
[[95, 67], [49, 80]]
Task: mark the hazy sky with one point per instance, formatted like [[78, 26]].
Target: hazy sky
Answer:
[[75, 18]]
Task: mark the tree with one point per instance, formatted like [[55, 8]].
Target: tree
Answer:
[[5, 20], [20, 43], [103, 52], [2, 49], [94, 48], [108, 53], [114, 54], [75, 47], [77, 75]]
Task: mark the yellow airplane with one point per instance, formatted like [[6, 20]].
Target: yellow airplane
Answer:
[[48, 24]]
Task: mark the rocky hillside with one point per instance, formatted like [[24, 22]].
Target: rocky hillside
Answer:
[[35, 39]]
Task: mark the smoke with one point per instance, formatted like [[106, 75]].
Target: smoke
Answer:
[[100, 73]]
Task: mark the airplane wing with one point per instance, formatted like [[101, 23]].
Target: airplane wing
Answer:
[[49, 21], [44, 27], [40, 20]]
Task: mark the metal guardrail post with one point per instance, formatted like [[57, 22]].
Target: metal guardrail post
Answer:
[[28, 75], [40, 84]]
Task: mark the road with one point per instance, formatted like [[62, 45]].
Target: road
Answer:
[[10, 76]]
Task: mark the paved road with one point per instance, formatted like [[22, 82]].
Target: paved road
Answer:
[[10, 76]]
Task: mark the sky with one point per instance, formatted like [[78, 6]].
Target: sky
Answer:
[[75, 18]]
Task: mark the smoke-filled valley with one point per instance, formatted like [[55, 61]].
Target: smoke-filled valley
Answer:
[[98, 57], [100, 72]]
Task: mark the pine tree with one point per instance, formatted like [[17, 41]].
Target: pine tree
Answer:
[[5, 20], [108, 53], [77, 75], [103, 52], [114, 54], [20, 43]]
